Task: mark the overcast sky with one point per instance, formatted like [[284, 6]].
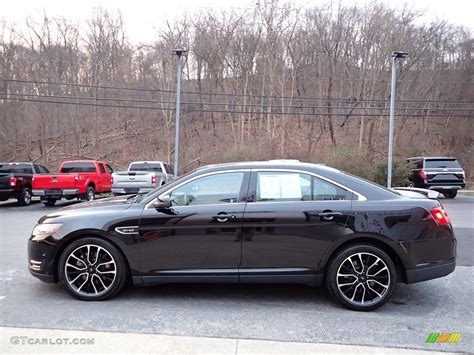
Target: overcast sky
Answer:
[[143, 16]]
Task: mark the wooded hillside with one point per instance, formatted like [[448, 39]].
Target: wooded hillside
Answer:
[[273, 81]]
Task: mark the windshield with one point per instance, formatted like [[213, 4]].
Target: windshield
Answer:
[[154, 193], [84, 167], [145, 167], [442, 164], [15, 168]]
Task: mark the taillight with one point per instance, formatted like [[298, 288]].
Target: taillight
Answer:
[[12, 181], [440, 216], [460, 175], [422, 175], [153, 179]]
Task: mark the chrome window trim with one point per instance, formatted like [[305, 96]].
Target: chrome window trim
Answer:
[[197, 177], [360, 197]]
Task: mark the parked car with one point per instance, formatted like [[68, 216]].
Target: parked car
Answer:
[[141, 177], [442, 174], [76, 179], [16, 181], [260, 222]]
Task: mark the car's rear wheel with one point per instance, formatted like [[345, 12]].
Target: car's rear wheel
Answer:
[[92, 269], [90, 194], [50, 202], [450, 193], [25, 197], [361, 277]]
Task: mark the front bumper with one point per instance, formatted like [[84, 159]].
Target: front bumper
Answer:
[[44, 277], [430, 272], [41, 260], [56, 192]]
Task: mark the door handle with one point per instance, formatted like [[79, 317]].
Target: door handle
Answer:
[[329, 215], [223, 217]]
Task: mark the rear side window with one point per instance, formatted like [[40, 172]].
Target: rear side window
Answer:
[[442, 164], [146, 167], [325, 191], [15, 168], [102, 169], [79, 167], [169, 169], [109, 168], [417, 164], [41, 169], [290, 186]]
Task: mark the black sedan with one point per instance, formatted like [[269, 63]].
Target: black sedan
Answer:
[[260, 222]]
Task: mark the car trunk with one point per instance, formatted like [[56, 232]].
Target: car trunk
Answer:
[[132, 180]]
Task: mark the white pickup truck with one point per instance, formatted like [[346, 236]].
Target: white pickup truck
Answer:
[[141, 177]]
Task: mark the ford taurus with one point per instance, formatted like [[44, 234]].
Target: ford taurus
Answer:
[[255, 222]]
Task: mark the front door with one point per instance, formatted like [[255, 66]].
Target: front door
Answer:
[[291, 221], [199, 237]]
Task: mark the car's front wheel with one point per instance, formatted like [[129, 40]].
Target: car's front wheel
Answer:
[[361, 277], [92, 269]]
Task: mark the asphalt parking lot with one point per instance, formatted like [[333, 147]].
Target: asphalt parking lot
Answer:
[[273, 312]]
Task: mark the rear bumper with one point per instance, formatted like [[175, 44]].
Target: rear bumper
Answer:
[[127, 191], [447, 187], [55, 193], [430, 272], [9, 192]]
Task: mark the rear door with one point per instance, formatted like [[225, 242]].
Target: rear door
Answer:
[[290, 220], [105, 178]]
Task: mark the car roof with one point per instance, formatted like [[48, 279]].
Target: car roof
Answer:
[[434, 158], [17, 162], [280, 163], [147, 162]]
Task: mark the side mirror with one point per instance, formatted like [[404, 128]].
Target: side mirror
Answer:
[[163, 203]]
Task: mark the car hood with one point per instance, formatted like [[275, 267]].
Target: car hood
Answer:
[[110, 205]]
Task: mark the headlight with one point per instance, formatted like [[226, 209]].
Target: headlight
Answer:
[[46, 228]]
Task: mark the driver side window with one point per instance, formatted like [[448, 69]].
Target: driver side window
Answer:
[[209, 190]]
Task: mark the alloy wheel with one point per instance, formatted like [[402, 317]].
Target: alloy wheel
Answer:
[[90, 270], [363, 279]]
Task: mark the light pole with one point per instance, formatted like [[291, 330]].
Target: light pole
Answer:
[[179, 53], [395, 56]]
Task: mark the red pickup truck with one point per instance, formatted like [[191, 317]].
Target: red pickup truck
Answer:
[[76, 179]]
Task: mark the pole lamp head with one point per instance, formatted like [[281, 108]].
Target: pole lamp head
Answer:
[[179, 51], [399, 55]]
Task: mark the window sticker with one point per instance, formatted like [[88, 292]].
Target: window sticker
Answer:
[[280, 186]]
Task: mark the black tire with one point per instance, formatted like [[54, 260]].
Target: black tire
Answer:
[[25, 197], [375, 258], [93, 290], [50, 202], [450, 193], [90, 194]]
